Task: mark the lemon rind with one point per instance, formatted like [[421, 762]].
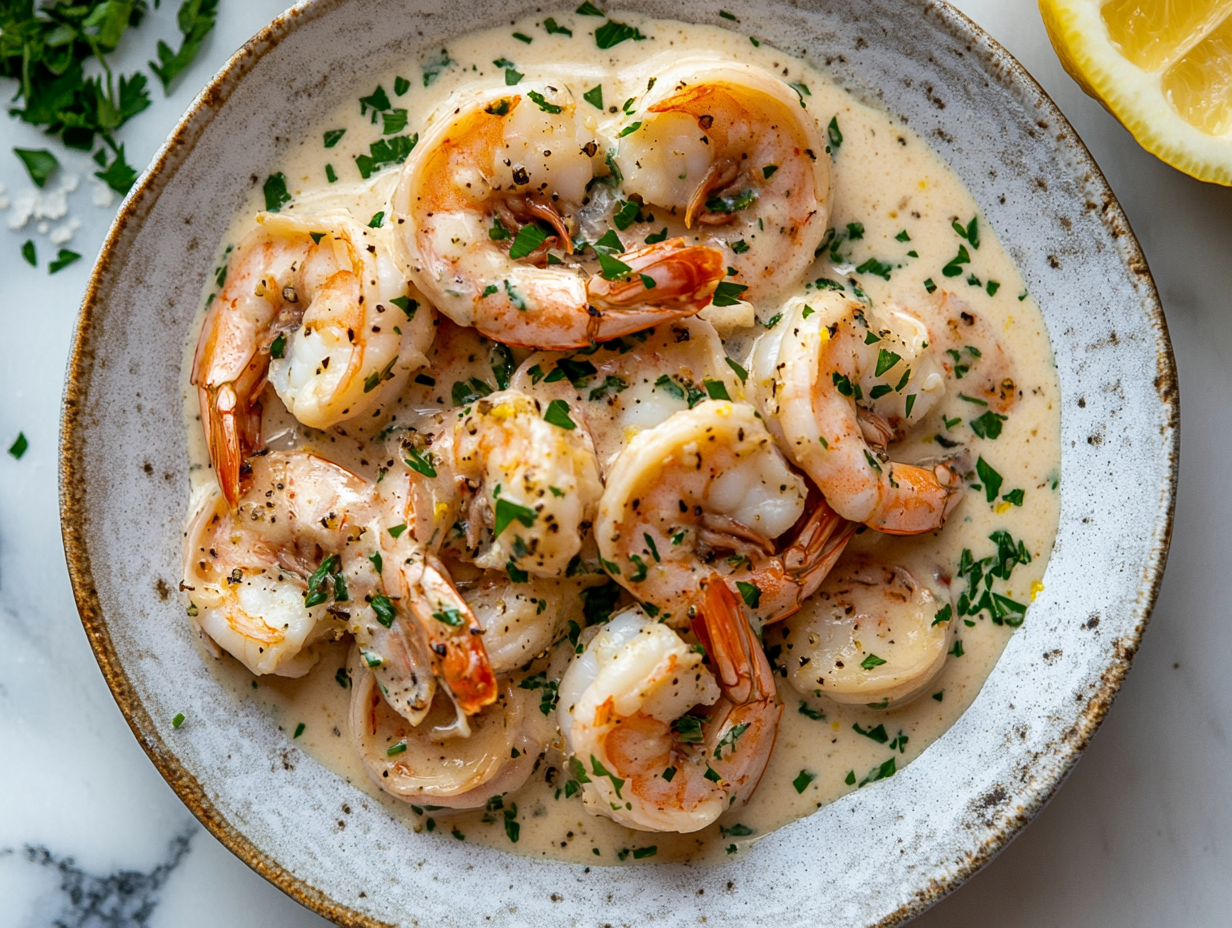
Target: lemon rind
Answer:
[[1132, 95]]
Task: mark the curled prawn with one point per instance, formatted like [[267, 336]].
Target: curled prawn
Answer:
[[810, 375], [662, 738], [731, 150], [309, 304], [532, 480], [874, 632], [438, 762], [292, 563], [489, 194], [707, 492]]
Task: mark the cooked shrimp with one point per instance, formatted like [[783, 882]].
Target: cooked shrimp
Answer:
[[438, 763], [533, 482], [415, 511], [730, 149], [810, 376], [632, 384], [291, 563], [520, 620], [873, 633], [489, 192], [970, 349], [628, 710], [707, 491], [307, 303]]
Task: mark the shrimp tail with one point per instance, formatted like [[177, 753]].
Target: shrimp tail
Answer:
[[920, 500], [233, 430], [738, 661], [665, 281], [455, 637], [817, 545], [743, 725]]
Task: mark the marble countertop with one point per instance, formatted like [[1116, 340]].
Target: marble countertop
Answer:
[[91, 836]]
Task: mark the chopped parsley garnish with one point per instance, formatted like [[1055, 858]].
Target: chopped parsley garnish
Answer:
[[275, 190], [523, 37], [542, 102], [278, 347], [507, 512], [954, 268], [178, 720], [988, 425], [384, 609], [943, 615], [450, 616], [716, 389], [878, 734], [740, 246], [397, 749], [578, 373], [640, 853], [871, 661], [887, 769], [886, 360], [740, 371], [419, 462], [750, 593], [613, 33], [629, 129], [992, 480], [19, 446], [594, 96], [626, 215], [393, 122], [727, 293], [873, 266], [28, 253], [557, 414], [802, 780], [970, 232], [599, 602], [377, 220], [432, 68], [835, 134], [299, 730], [464, 392], [733, 203], [528, 239], [40, 164], [393, 150], [688, 729], [610, 385], [957, 650], [401, 86], [552, 28], [195, 19], [809, 712], [1014, 496], [611, 268]]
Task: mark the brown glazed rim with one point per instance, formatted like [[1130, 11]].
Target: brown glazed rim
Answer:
[[74, 517]]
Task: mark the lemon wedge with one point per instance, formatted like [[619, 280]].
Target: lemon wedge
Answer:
[[1162, 67]]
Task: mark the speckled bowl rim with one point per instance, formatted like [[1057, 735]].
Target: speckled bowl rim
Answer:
[[75, 516]]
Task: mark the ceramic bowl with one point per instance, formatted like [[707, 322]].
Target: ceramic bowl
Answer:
[[875, 857]]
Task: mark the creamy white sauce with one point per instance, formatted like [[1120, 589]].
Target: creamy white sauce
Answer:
[[886, 179]]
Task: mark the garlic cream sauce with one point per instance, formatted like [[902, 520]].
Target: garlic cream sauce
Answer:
[[906, 232]]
